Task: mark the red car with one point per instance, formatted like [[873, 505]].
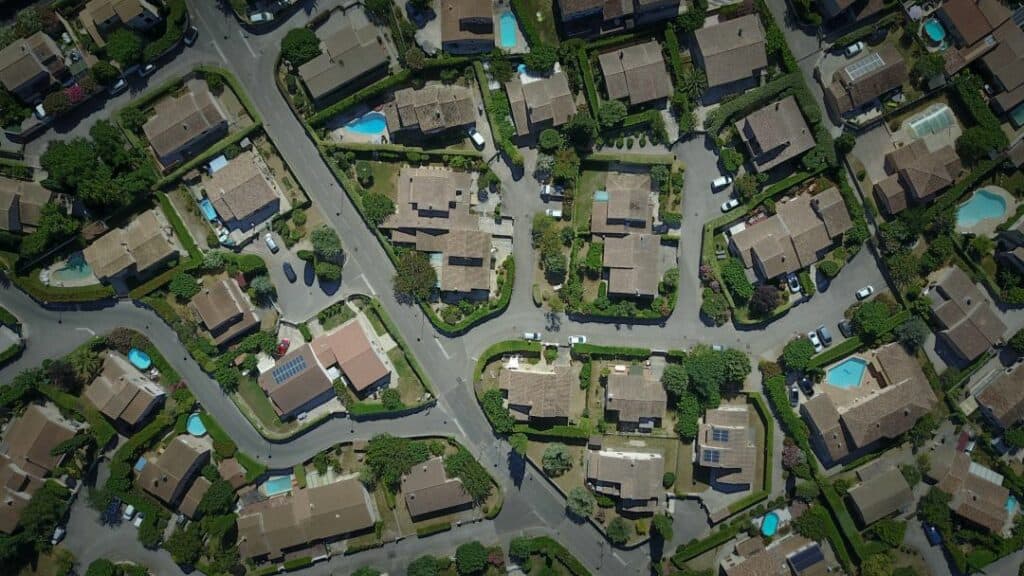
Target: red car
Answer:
[[282, 346]]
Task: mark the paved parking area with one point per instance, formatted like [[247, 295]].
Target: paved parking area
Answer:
[[302, 299], [871, 148]]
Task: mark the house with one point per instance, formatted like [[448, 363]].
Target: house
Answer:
[[865, 80], [880, 497], [21, 204], [430, 110], [798, 235], [306, 517], [349, 59], [540, 103], [775, 134], [1010, 245], [625, 206], [168, 475], [242, 194], [726, 447], [900, 395], [535, 396], [232, 471], [348, 348], [850, 11], [636, 72], [190, 501], [632, 264], [297, 383], [101, 17], [123, 394], [467, 26], [969, 21], [1002, 401], [593, 17], [635, 400], [732, 54], [466, 264], [183, 126], [224, 311], [791, 555], [430, 492], [969, 326], [135, 250], [978, 495], [632, 478], [916, 175], [1005, 66], [29, 66]]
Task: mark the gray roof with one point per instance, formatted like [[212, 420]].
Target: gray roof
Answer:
[[346, 55], [636, 71], [775, 134], [732, 50]]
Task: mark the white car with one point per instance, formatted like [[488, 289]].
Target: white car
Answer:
[[854, 49], [813, 337], [574, 340], [730, 204], [258, 17], [129, 512], [58, 535], [147, 70], [117, 87], [720, 182], [865, 292], [554, 213], [531, 336], [794, 283], [476, 137], [269, 239], [138, 520]]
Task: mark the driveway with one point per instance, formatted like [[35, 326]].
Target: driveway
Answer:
[[871, 148]]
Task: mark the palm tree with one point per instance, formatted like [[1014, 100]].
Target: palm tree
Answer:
[[694, 83], [86, 363]]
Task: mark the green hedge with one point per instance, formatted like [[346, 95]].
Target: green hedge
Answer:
[[792, 424], [396, 335], [484, 312], [610, 352], [836, 353], [216, 149], [603, 159], [590, 87], [180, 230], [177, 19], [48, 294], [565, 432], [526, 22], [160, 280], [693, 549], [549, 547], [377, 151], [846, 524], [502, 348], [12, 352], [429, 529], [865, 31], [219, 436], [297, 563], [499, 125], [749, 101]]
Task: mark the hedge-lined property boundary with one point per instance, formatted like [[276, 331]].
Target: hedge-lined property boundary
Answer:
[[550, 548]]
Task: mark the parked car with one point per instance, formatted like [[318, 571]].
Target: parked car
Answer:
[[117, 87], [138, 519], [933, 535], [854, 49], [40, 113], [865, 292], [147, 70], [794, 283], [112, 513], [794, 395], [282, 346], [813, 337], [258, 17], [552, 191], [477, 138], [289, 272], [269, 239], [730, 204], [191, 35], [720, 182], [846, 328], [826, 336], [807, 386], [531, 336], [717, 347], [129, 512], [554, 213], [574, 340], [58, 535]]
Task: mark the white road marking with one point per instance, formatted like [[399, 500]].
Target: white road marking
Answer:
[[619, 558], [89, 330], [367, 282], [219, 51], [443, 351], [459, 426], [247, 45]]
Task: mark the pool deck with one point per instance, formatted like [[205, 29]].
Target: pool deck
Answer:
[[338, 131], [987, 227], [48, 278]]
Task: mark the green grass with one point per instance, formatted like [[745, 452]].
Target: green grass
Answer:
[[343, 315], [300, 475], [546, 26], [250, 391], [409, 385], [583, 202], [253, 469], [8, 319]]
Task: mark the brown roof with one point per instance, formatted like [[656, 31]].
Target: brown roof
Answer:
[[732, 50], [26, 58], [923, 173], [537, 394], [632, 263], [17, 488], [30, 437], [1004, 398], [428, 490], [881, 496], [965, 313], [100, 11], [296, 379], [629, 207], [345, 56], [432, 199], [547, 101], [134, 249], [224, 311], [725, 442], [168, 474], [350, 349], [771, 561], [121, 392], [636, 71], [1006, 60], [1016, 153], [307, 515], [467, 20], [9, 204], [30, 197], [635, 395], [976, 495], [430, 109], [848, 92], [633, 477], [190, 501], [822, 414], [467, 261], [178, 120], [775, 134], [240, 189], [232, 472], [973, 19]]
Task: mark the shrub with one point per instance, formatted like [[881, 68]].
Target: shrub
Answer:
[[619, 531], [797, 353], [735, 277], [668, 479], [556, 460], [765, 299], [580, 502], [184, 286], [300, 45], [830, 268], [470, 558]]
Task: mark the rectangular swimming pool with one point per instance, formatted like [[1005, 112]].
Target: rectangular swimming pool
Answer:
[[847, 374], [277, 485], [208, 210]]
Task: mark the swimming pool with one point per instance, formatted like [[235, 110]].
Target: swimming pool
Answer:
[[507, 30], [76, 268], [1011, 504], [934, 30], [208, 210], [769, 524], [848, 373], [601, 196], [195, 425], [983, 205], [139, 359], [371, 123], [277, 485], [934, 119]]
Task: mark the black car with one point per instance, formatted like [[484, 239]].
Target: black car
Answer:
[[289, 272], [846, 327], [191, 35]]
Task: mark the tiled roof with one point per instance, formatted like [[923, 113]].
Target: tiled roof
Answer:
[[732, 50], [346, 55], [1004, 397], [467, 20], [428, 490], [544, 101], [635, 396], [430, 109], [632, 263], [537, 394], [141, 245], [467, 261], [178, 120], [224, 310], [122, 392], [968, 323], [633, 477], [974, 19], [628, 208], [166, 476], [349, 348], [30, 437], [26, 58], [636, 71], [725, 442], [775, 134], [240, 189], [846, 92], [296, 383], [881, 496]]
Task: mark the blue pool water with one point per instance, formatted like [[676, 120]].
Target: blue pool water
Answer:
[[139, 359], [508, 30], [208, 210], [601, 196], [983, 205], [769, 524], [371, 123], [521, 69], [140, 463], [278, 485], [848, 373], [76, 268], [195, 425], [935, 31], [1011, 504]]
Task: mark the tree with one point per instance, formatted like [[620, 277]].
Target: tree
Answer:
[[765, 300], [580, 502], [545, 164], [550, 140], [263, 288], [186, 544], [611, 113], [662, 526], [102, 567], [928, 66], [1017, 342], [982, 246], [541, 58], [933, 508], [813, 524], [807, 491], [877, 565], [105, 73], [567, 167], [731, 159], [687, 414], [300, 45], [389, 457], [67, 161], [871, 320], [124, 47], [391, 399], [745, 187], [556, 460], [414, 276], [797, 353], [976, 142], [470, 558], [133, 118], [85, 362], [619, 531], [109, 143], [366, 571], [845, 143], [423, 566], [922, 430], [184, 286], [890, 531], [520, 548], [415, 59], [57, 103], [326, 244], [912, 333], [519, 443], [581, 130], [501, 68], [219, 499], [379, 9], [377, 207], [675, 380]]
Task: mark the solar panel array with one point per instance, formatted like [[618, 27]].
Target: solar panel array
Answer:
[[806, 558], [288, 369], [864, 66], [719, 435], [712, 456]]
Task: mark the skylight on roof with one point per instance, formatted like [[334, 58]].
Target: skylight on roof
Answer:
[[864, 66]]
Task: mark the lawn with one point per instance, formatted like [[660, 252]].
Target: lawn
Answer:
[[409, 386], [583, 201], [543, 19], [385, 179], [375, 321], [345, 313], [574, 477], [254, 401]]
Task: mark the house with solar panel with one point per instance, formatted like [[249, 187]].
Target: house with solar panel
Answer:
[[727, 447], [297, 383], [862, 83], [791, 555]]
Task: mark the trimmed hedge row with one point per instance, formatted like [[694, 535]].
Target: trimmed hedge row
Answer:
[[503, 144], [602, 159], [792, 424], [749, 101], [502, 348], [525, 20], [12, 352], [564, 432], [370, 151], [596, 351], [693, 549], [865, 31], [550, 548], [846, 524], [429, 529], [396, 335], [589, 85], [180, 230], [47, 294]]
